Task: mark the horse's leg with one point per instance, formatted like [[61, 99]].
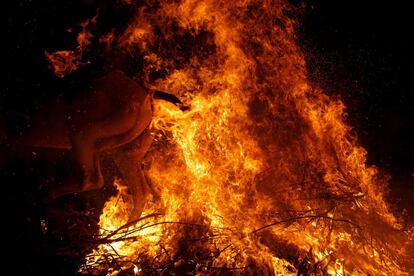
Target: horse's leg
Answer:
[[87, 156], [88, 140], [85, 169], [129, 161]]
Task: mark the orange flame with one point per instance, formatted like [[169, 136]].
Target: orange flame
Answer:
[[65, 62], [262, 175]]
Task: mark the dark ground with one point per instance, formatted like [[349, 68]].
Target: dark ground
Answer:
[[363, 53]]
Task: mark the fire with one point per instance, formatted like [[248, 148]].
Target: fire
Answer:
[[263, 174], [65, 62]]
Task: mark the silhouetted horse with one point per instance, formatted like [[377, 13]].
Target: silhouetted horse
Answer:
[[113, 116]]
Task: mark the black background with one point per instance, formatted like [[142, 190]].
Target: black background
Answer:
[[361, 51]]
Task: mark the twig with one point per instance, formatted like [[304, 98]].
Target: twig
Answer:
[[130, 224], [125, 236], [305, 217], [224, 268]]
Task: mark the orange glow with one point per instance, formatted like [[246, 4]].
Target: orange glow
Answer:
[[262, 174], [65, 62]]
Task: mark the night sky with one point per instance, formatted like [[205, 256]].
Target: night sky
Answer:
[[364, 54], [361, 53]]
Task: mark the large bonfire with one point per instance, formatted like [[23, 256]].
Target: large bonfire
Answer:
[[262, 174]]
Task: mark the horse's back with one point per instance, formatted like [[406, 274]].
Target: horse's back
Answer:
[[109, 106]]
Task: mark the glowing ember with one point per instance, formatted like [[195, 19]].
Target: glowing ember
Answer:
[[262, 173]]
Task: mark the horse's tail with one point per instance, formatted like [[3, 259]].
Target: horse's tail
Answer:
[[161, 95]]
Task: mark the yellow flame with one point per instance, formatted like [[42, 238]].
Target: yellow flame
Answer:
[[262, 173]]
